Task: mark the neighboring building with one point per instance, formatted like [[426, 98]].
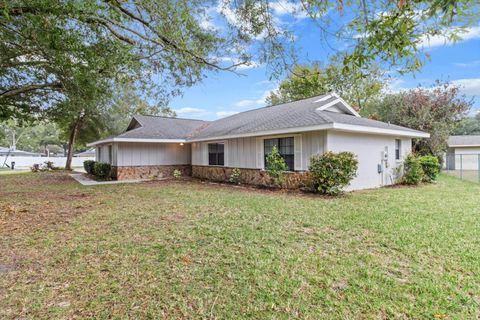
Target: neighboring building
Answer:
[[463, 153], [16, 153], [88, 153], [155, 146]]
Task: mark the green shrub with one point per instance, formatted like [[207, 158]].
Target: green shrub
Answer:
[[235, 176], [431, 168], [276, 166], [102, 170], [413, 173], [177, 174], [88, 166], [331, 171]]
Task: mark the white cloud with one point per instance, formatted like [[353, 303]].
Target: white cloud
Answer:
[[469, 87], [188, 110], [468, 64], [245, 66], [222, 114], [254, 103], [284, 7], [441, 40]]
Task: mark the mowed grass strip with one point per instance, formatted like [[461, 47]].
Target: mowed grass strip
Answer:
[[191, 250]]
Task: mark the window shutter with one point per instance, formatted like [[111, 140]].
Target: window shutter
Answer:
[[259, 149], [297, 144]]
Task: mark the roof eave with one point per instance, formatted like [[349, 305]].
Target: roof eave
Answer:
[[335, 126], [463, 145], [381, 131], [138, 140]]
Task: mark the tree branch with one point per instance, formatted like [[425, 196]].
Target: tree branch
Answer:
[[28, 88]]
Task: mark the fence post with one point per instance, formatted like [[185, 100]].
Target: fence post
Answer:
[[461, 166]]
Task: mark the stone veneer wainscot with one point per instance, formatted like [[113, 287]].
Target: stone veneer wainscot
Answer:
[[294, 180], [149, 172]]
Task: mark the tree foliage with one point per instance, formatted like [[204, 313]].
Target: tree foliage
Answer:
[[436, 110], [310, 80], [468, 126]]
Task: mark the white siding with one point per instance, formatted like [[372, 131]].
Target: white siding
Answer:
[[369, 149], [102, 154], [151, 154], [312, 143], [248, 152], [466, 158], [241, 153]]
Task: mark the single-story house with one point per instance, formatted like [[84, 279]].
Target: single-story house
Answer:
[[12, 152], [87, 153], [155, 146], [463, 153]]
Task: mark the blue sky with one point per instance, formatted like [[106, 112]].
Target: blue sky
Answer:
[[224, 93]]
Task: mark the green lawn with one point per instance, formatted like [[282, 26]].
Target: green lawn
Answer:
[[191, 250]]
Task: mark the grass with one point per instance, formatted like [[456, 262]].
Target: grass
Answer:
[[470, 175], [183, 250]]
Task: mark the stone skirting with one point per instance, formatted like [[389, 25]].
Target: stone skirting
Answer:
[[149, 172], [293, 180]]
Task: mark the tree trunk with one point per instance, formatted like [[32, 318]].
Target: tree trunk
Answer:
[[71, 143]]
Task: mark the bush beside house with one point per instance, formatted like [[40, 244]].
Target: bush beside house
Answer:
[[276, 166], [420, 169], [98, 169], [331, 172], [431, 168]]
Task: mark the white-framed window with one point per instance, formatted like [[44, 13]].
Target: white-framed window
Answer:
[[286, 148], [398, 149], [216, 154]]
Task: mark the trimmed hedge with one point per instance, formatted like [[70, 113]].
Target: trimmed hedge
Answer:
[[102, 170], [331, 171], [431, 168], [413, 172], [88, 166]]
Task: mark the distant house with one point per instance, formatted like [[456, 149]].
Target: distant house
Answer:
[[155, 146], [463, 153], [16, 153], [87, 153]]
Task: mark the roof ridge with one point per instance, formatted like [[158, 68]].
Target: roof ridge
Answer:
[[166, 117], [266, 107]]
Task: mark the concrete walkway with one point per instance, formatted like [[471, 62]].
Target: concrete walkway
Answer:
[[86, 181]]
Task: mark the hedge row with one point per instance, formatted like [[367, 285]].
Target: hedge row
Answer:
[[100, 170]]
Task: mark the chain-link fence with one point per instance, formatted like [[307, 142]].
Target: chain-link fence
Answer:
[[465, 166]]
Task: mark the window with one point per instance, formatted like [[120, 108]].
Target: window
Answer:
[[99, 153], [285, 147], [398, 147], [216, 154]]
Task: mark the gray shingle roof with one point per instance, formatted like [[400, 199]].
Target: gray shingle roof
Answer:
[[302, 113], [464, 141], [297, 114], [153, 127]]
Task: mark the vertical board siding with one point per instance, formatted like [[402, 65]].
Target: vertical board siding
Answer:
[[312, 143], [151, 154], [248, 152]]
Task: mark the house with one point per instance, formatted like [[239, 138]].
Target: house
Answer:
[[12, 152], [463, 153], [155, 146], [87, 153]]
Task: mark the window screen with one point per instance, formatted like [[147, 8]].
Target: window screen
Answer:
[[216, 154], [285, 147]]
